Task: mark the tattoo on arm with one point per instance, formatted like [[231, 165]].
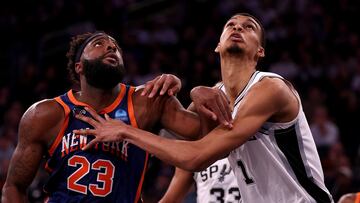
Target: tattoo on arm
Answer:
[[24, 165]]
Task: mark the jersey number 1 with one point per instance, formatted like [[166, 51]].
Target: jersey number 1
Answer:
[[106, 177], [248, 180]]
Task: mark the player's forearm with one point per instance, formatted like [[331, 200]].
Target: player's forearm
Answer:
[[179, 153], [179, 187], [171, 198], [11, 194], [206, 123], [188, 131], [184, 123]]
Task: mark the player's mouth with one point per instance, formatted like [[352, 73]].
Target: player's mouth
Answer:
[[111, 57], [236, 37]]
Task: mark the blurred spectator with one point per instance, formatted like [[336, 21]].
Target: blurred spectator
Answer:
[[324, 131], [6, 150], [338, 172], [285, 67], [4, 100], [355, 83]]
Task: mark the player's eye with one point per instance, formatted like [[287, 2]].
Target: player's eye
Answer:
[[249, 26], [230, 24], [98, 43]]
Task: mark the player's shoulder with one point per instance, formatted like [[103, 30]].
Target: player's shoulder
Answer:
[[347, 198], [46, 110], [275, 92], [273, 82], [218, 85], [273, 86], [41, 120]]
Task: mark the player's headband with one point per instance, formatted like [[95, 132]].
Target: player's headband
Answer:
[[83, 45]]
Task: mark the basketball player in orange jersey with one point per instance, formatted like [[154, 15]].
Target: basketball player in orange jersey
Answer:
[[109, 171], [270, 146]]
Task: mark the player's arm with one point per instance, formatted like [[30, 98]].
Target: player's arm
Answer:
[[212, 104], [179, 187], [34, 127], [183, 180], [269, 98], [177, 119], [214, 108], [157, 99]]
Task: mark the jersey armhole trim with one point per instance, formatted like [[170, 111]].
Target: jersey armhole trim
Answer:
[[138, 192], [131, 108], [47, 168], [63, 127]]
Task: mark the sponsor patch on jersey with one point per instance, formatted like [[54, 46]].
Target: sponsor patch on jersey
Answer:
[[79, 110], [121, 114]]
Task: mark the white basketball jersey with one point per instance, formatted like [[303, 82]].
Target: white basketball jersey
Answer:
[[217, 184], [280, 163]]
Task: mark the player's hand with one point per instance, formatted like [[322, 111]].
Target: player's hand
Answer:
[[165, 83], [213, 103], [105, 129]]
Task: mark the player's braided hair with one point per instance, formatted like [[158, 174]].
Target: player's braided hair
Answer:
[[71, 54]]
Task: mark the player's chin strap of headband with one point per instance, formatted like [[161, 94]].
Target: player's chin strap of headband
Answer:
[[83, 45]]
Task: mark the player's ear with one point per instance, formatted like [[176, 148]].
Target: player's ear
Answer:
[[79, 67], [261, 52]]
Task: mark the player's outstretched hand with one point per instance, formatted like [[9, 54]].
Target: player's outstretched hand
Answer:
[[105, 129], [213, 103], [165, 83]]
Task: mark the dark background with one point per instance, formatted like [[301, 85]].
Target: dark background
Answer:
[[314, 44]]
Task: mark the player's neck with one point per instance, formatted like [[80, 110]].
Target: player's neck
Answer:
[[235, 74], [97, 98]]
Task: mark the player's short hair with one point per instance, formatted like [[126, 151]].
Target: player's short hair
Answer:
[[75, 44]]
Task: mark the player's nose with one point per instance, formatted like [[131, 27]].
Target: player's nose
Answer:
[[238, 27], [111, 46]]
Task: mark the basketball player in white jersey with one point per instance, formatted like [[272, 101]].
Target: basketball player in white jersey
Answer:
[[270, 146], [216, 183]]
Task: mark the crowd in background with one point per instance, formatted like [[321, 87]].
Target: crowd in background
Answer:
[[313, 44]]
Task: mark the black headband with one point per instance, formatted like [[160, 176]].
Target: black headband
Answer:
[[83, 45]]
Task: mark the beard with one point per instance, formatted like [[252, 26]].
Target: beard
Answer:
[[101, 75], [234, 49]]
